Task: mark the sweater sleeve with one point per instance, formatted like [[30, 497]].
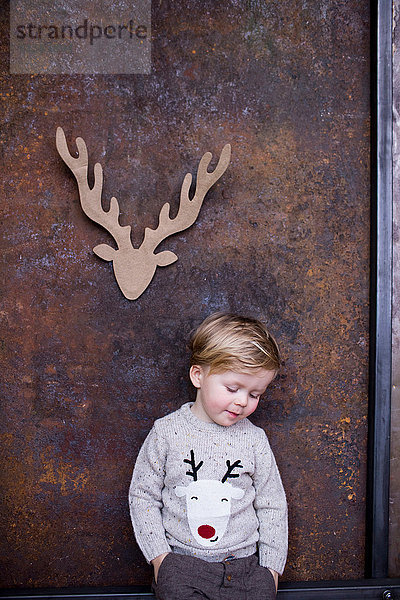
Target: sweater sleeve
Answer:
[[271, 508], [145, 500]]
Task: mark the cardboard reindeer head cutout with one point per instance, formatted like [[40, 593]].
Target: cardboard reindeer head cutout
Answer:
[[134, 267]]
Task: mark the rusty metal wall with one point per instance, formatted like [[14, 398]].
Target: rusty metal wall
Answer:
[[284, 236]]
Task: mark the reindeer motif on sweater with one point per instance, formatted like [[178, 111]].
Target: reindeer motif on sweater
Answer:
[[208, 502]]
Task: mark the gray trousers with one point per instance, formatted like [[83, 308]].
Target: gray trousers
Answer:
[[182, 577]]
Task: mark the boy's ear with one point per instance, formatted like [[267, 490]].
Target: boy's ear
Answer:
[[196, 373]]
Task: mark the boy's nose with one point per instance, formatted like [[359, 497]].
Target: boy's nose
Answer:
[[241, 400]]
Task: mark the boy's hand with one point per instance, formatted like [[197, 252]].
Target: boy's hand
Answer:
[[156, 562], [275, 576]]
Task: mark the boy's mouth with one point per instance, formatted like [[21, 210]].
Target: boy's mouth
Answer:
[[233, 414]]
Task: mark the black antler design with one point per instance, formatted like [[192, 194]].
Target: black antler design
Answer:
[[192, 463], [230, 469]]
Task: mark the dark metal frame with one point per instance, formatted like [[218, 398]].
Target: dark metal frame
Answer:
[[368, 589], [375, 585], [381, 297]]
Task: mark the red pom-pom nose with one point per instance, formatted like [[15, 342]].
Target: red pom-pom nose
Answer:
[[206, 531]]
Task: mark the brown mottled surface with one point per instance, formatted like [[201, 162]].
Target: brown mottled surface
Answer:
[[284, 236]]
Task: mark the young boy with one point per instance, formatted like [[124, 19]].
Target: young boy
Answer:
[[207, 502]]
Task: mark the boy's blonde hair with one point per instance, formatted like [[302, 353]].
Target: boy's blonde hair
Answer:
[[229, 342]]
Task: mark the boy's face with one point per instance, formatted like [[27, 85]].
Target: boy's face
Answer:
[[228, 397]]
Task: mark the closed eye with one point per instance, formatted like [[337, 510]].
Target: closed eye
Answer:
[[224, 499], [232, 390], [254, 396], [194, 498]]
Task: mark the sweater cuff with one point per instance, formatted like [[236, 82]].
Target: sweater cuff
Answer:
[[269, 557], [155, 551]]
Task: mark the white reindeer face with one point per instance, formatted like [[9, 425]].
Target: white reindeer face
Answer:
[[208, 502], [208, 505]]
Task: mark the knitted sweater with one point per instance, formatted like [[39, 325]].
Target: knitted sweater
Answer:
[[208, 491]]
